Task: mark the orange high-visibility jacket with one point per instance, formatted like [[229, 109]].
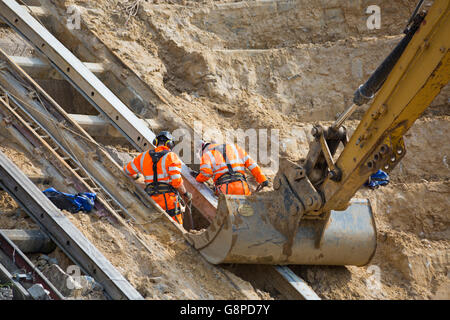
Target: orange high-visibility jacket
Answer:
[[169, 167], [213, 163], [168, 171]]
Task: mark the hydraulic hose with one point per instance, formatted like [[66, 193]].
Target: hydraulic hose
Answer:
[[366, 91]]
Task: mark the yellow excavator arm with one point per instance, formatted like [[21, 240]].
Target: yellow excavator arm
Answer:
[[310, 217], [417, 78]]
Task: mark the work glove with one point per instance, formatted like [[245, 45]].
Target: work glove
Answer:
[[194, 174], [188, 196], [264, 184]]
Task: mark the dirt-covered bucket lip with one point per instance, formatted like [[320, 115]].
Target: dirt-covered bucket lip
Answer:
[[202, 238]]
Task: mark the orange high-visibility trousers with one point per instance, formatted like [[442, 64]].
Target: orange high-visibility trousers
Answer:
[[236, 187], [171, 200]]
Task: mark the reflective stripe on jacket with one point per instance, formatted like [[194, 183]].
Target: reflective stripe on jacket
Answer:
[[213, 163], [168, 168]]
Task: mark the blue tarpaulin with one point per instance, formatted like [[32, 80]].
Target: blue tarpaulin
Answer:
[[379, 178], [83, 201]]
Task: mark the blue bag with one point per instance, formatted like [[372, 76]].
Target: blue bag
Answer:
[[379, 178], [83, 201]]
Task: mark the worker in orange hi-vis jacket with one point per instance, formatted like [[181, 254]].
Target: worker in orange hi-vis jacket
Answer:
[[225, 164], [161, 169]]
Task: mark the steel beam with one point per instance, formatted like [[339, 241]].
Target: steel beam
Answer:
[[297, 289], [39, 179], [97, 126], [36, 66], [59, 228], [35, 10]]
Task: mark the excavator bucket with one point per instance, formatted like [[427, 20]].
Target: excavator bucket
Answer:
[[243, 232]]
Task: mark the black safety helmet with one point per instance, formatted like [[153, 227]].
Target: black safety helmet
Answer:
[[166, 138]]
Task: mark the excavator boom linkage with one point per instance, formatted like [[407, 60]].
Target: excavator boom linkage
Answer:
[[310, 217]]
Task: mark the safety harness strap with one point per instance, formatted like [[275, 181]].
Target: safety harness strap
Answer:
[[173, 213], [224, 153], [231, 175], [160, 188], [157, 187], [228, 178], [156, 156]]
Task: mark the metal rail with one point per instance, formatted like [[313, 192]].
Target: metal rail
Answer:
[[59, 228], [298, 288], [19, 292], [30, 272]]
